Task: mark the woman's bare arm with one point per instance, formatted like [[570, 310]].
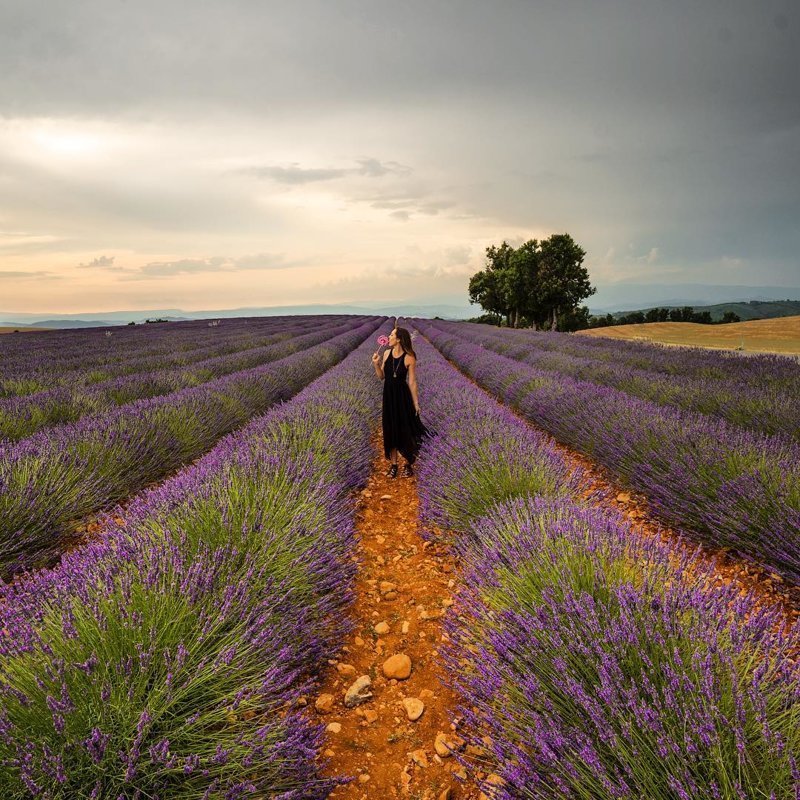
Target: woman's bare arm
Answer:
[[376, 362], [411, 363]]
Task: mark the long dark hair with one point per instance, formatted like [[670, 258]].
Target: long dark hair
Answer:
[[405, 340]]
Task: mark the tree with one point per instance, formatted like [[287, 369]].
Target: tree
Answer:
[[634, 318], [602, 322], [574, 320], [562, 280], [730, 316], [534, 284], [681, 314], [521, 281], [657, 315], [489, 288]]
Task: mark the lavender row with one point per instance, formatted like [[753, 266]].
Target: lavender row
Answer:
[[592, 662], [767, 407], [169, 658], [732, 488], [755, 370], [104, 354], [176, 335], [23, 416], [20, 353], [115, 361], [55, 476]]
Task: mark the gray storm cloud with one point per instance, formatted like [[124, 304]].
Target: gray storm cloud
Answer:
[[665, 136]]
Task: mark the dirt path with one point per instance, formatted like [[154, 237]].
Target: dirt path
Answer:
[[404, 587]]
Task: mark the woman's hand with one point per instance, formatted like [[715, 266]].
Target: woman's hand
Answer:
[[416, 408], [375, 358]]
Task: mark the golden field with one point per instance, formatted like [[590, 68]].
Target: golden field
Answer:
[[780, 335]]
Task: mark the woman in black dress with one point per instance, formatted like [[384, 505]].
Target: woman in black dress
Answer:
[[402, 428]]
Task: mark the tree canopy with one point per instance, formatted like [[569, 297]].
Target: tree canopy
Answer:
[[540, 283]]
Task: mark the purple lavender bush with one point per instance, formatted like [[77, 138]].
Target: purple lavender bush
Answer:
[[52, 478], [594, 663], [770, 371], [482, 453], [604, 666], [731, 488], [168, 659], [23, 416], [84, 357], [761, 399]]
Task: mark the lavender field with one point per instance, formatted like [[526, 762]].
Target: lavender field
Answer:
[[592, 662], [170, 655]]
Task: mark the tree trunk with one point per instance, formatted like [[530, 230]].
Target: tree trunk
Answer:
[[554, 322]]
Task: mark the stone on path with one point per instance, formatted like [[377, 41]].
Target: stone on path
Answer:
[[334, 727], [446, 743], [324, 703], [397, 666], [381, 628], [420, 758], [414, 708], [346, 670], [359, 692]]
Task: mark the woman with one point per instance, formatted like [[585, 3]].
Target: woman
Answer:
[[402, 427]]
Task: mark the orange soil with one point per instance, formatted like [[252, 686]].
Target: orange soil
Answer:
[[388, 754]]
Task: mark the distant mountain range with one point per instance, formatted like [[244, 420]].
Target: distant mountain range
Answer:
[[109, 318], [610, 298]]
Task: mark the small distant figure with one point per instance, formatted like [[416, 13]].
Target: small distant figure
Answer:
[[108, 333], [402, 427], [214, 323]]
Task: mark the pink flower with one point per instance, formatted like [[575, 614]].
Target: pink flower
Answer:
[[383, 341]]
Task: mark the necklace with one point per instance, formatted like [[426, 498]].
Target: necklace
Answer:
[[396, 361]]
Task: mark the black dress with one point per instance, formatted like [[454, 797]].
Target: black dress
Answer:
[[402, 427]]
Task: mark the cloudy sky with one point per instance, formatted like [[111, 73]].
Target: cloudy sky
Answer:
[[232, 152]]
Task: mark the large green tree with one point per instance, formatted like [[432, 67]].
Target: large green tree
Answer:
[[489, 287], [562, 280], [537, 284]]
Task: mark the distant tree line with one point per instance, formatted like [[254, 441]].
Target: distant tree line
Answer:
[[539, 284], [685, 314]]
